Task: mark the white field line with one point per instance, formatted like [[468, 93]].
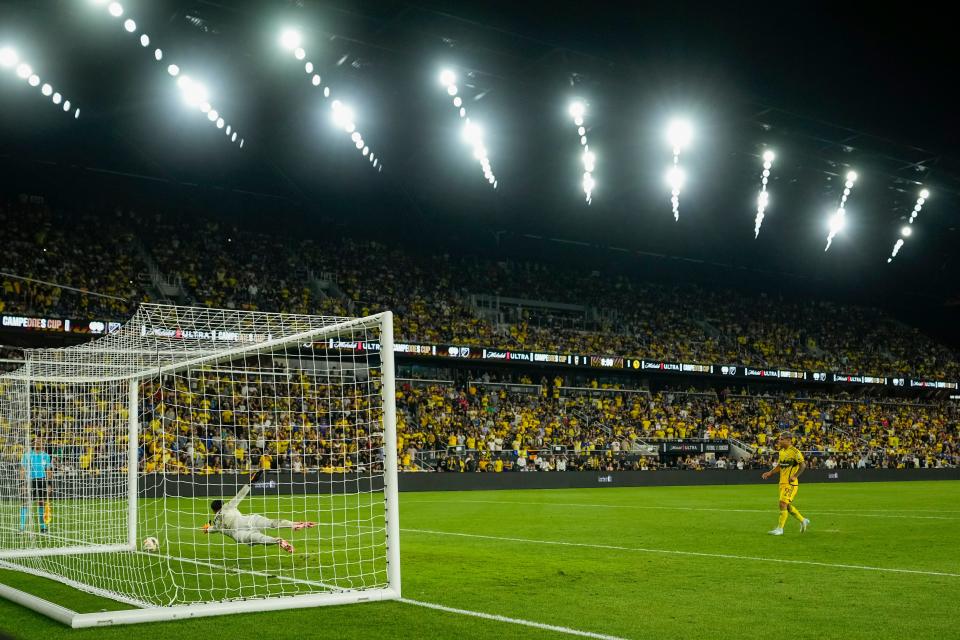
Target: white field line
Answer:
[[698, 554], [520, 621], [851, 513]]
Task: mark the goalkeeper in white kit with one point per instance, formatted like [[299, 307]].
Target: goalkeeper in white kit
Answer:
[[248, 529]]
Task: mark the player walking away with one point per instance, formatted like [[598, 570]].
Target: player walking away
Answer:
[[790, 464], [247, 529], [36, 466]]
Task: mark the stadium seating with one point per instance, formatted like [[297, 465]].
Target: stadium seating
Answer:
[[431, 296], [81, 249], [487, 425]]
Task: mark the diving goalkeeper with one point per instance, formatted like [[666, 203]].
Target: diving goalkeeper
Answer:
[[248, 529]]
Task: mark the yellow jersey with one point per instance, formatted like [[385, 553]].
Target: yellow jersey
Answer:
[[789, 462]]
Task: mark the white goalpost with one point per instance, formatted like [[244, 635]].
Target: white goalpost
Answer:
[[114, 455]]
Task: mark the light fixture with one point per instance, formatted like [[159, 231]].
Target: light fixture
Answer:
[[290, 39], [838, 221], [578, 111], [907, 230], [8, 57], [679, 135], [763, 198]]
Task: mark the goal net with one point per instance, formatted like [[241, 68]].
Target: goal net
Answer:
[[116, 454]]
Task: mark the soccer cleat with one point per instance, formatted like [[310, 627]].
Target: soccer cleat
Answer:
[[804, 524], [286, 546], [776, 532], [303, 525]]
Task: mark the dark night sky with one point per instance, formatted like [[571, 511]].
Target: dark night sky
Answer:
[[875, 78]]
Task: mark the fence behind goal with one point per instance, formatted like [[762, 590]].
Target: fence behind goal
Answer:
[[145, 427]]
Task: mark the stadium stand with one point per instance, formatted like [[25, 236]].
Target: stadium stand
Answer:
[[505, 426], [490, 423], [461, 300]]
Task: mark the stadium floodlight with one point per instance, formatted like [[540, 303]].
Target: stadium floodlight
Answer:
[[578, 111], [907, 230], [470, 132], [676, 178], [342, 116], [8, 57], [290, 39], [94, 541], [838, 220], [193, 93], [679, 135], [763, 198]]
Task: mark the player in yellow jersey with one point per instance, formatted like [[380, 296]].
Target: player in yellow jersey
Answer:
[[790, 464]]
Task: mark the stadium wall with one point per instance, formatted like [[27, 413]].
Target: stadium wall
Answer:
[[286, 483]]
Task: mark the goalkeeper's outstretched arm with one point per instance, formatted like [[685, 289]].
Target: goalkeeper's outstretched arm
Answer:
[[217, 506]]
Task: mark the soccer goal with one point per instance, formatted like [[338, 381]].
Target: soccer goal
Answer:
[[129, 465]]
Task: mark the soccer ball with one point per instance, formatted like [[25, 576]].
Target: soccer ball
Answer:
[[151, 544]]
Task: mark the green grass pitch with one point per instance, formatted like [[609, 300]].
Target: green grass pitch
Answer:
[[665, 562]]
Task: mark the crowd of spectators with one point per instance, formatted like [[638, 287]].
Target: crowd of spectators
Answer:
[[225, 268], [609, 428], [556, 308], [80, 249], [213, 422]]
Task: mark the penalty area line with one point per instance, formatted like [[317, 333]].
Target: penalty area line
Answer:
[[697, 554], [498, 618]]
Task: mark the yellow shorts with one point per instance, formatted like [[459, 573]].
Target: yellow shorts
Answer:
[[788, 492]]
